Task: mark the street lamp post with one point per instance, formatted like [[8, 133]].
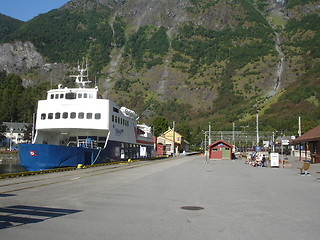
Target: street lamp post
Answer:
[[273, 142], [10, 139]]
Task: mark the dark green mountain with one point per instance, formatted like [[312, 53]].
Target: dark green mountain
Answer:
[[192, 61], [8, 25]]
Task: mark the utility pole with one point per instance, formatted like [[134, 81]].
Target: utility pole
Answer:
[[174, 138], [273, 142], [233, 126], [299, 123], [209, 133], [205, 146], [257, 130]]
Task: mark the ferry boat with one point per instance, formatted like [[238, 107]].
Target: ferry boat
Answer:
[[76, 126]]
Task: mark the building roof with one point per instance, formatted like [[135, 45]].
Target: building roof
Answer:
[[310, 136], [171, 131], [15, 126], [220, 141]]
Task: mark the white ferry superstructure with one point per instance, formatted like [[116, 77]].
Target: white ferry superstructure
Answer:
[[76, 126]]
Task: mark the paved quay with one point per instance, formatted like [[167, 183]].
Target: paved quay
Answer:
[[228, 200]]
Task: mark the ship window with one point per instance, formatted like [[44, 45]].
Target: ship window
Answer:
[[90, 95], [115, 109], [70, 95], [72, 139], [97, 116], [79, 95], [65, 115], [112, 118], [89, 115], [81, 115], [61, 95], [43, 116], [115, 118], [56, 96], [52, 96], [73, 115], [50, 116], [85, 95], [57, 115]]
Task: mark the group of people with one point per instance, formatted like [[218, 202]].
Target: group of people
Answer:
[[256, 160]]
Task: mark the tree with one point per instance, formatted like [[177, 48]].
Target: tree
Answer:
[[2, 130], [160, 125]]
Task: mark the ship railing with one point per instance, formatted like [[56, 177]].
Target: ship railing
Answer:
[[72, 143], [87, 143]]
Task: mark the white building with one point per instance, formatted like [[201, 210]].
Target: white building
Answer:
[[14, 134]]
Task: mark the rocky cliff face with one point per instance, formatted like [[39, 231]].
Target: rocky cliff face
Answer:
[[19, 57], [22, 58]]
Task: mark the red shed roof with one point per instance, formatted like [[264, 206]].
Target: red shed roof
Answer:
[[220, 141], [311, 136]]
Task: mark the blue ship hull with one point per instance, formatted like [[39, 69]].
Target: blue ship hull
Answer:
[[35, 157]]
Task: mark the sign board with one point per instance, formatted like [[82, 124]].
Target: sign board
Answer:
[[274, 157], [257, 148], [265, 144], [285, 142]]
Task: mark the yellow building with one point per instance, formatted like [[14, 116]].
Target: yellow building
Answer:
[[172, 140]]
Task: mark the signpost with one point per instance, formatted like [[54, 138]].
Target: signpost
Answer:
[[285, 142], [274, 157]]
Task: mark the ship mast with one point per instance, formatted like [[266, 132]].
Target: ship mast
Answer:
[[82, 75]]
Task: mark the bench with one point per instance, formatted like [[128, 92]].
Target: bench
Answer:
[[304, 168]]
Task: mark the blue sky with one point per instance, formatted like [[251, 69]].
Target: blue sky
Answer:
[[27, 9]]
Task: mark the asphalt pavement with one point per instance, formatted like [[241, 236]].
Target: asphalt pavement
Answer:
[[178, 199]]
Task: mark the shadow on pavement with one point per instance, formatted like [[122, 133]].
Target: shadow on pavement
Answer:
[[18, 215]]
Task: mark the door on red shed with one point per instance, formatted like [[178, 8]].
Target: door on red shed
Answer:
[[225, 152]]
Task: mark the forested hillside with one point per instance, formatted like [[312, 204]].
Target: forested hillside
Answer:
[[8, 25], [189, 61]]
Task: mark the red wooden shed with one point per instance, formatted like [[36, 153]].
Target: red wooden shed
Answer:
[[220, 150]]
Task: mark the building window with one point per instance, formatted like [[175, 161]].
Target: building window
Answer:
[[168, 147]]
